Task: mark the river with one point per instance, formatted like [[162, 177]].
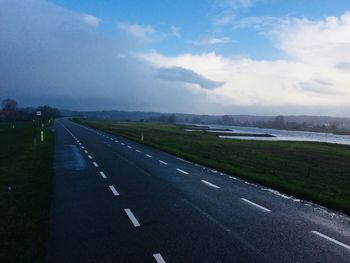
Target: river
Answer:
[[283, 135]]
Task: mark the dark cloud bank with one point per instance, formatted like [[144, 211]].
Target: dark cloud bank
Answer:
[[49, 55]]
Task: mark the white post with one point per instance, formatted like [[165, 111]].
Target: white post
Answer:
[[42, 136]]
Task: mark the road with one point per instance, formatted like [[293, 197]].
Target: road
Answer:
[[115, 200]]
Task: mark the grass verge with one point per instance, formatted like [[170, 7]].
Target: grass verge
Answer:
[[25, 187], [318, 172]]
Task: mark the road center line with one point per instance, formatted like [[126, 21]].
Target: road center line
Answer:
[[158, 257], [210, 184], [162, 162], [95, 164], [114, 191], [181, 171], [256, 205], [90, 157], [150, 156], [132, 217], [103, 174], [331, 239]]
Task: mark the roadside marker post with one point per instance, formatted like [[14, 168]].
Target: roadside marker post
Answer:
[[42, 136]]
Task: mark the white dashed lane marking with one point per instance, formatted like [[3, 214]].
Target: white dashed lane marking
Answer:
[[162, 162], [210, 184], [331, 239], [158, 257], [150, 156], [103, 175], [90, 157], [114, 191], [256, 205], [95, 164], [132, 217], [181, 171]]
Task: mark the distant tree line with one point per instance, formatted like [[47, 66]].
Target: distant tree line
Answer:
[[164, 119], [278, 122], [10, 111]]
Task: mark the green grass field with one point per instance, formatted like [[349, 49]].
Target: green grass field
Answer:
[[25, 187], [318, 172]]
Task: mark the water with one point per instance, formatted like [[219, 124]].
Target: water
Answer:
[[283, 135]]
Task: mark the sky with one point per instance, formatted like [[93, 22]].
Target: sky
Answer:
[[261, 57]]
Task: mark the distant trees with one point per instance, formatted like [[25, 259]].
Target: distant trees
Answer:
[[48, 112], [196, 120], [226, 119], [279, 121], [172, 119], [11, 112], [9, 105], [164, 118]]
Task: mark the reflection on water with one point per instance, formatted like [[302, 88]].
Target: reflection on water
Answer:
[[284, 135]]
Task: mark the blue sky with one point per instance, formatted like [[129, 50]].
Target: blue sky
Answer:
[[195, 21], [265, 57]]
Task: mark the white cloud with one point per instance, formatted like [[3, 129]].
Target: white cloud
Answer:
[[175, 31], [226, 10], [260, 23], [323, 42], [209, 41], [223, 19], [313, 74], [91, 20], [136, 30]]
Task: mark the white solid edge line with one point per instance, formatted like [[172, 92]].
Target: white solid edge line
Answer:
[[181, 171], [150, 156], [256, 205], [132, 217], [162, 162], [210, 184], [90, 157], [103, 174], [114, 191], [158, 257], [95, 164], [331, 239]]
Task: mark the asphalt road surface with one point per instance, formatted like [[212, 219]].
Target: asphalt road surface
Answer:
[[115, 200]]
